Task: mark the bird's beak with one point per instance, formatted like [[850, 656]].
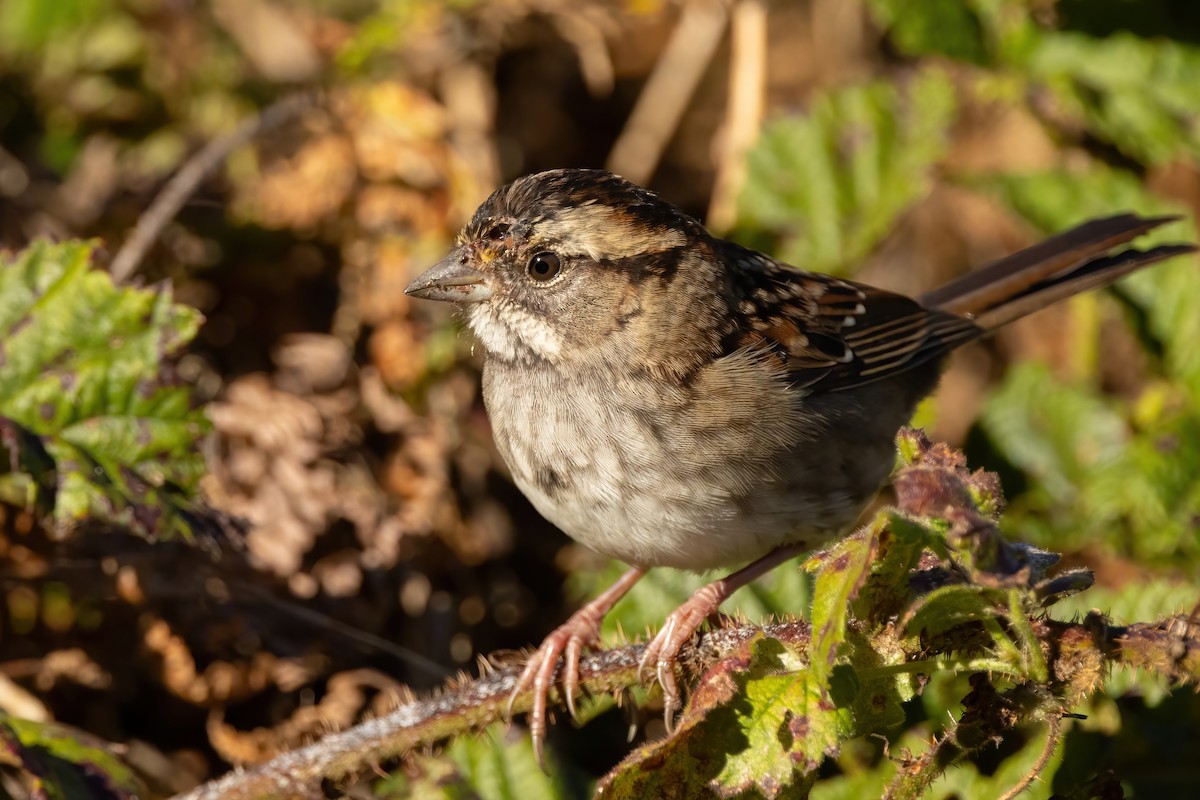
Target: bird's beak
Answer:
[[452, 280]]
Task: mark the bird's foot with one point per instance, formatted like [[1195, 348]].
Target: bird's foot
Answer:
[[682, 624], [663, 651], [566, 641]]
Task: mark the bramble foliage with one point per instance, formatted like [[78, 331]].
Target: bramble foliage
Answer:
[[93, 424], [767, 718], [1102, 471], [831, 183]]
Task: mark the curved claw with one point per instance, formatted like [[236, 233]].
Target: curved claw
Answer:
[[663, 650], [684, 621], [578, 632], [539, 675], [571, 674]]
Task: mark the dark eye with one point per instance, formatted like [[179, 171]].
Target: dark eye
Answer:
[[544, 266]]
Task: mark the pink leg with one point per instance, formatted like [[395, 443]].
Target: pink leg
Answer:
[[567, 640], [684, 621]]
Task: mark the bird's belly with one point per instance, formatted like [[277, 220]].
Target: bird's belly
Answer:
[[616, 480], [650, 519]]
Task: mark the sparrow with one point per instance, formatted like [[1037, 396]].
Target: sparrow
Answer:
[[672, 399]]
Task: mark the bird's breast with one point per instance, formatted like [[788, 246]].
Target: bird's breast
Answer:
[[693, 477]]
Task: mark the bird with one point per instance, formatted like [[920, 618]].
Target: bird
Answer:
[[669, 398]]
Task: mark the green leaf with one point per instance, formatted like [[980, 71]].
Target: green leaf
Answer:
[[823, 189], [501, 765], [946, 608], [901, 541], [969, 781], [784, 592], [1168, 293], [926, 27], [840, 572], [93, 419], [1139, 94], [820, 722], [27, 25], [745, 727], [1057, 433], [64, 763], [496, 764]]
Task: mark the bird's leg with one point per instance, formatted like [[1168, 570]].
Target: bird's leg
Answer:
[[684, 621], [567, 640]]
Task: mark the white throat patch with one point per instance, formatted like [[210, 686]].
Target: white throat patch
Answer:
[[507, 331]]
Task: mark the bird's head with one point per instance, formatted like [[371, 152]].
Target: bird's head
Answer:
[[557, 265]]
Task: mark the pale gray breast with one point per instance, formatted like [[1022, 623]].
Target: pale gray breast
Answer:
[[709, 475]]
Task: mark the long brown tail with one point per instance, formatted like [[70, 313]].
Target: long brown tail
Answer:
[[1069, 263]]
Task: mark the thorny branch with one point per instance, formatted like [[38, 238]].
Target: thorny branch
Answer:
[[469, 705]]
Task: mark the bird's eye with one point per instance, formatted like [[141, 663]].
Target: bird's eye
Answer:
[[544, 266]]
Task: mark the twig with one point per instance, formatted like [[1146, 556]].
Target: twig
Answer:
[[184, 182], [743, 113], [660, 106]]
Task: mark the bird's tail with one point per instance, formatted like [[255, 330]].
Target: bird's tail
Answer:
[[1067, 264]]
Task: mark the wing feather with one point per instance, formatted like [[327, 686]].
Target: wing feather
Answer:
[[831, 334]]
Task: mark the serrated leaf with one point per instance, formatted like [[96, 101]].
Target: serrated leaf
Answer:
[[874, 701], [741, 730], [95, 424], [829, 185], [886, 590], [840, 572], [1101, 473], [1058, 433], [1169, 293], [1125, 475]]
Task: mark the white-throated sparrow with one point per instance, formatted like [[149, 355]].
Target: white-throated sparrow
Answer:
[[668, 398]]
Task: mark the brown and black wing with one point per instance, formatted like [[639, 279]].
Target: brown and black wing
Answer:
[[832, 334]]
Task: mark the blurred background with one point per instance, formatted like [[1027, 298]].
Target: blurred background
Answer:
[[898, 141]]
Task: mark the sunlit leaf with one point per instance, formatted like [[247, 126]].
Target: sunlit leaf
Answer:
[[745, 727], [824, 188], [944, 27], [64, 764], [94, 421], [1140, 94], [496, 764]]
